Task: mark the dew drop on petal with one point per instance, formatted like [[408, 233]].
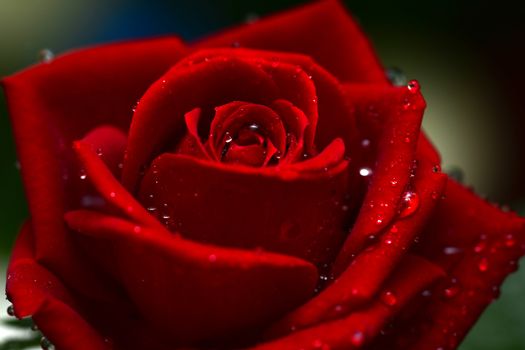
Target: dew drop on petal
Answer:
[[137, 229], [45, 56], [410, 204], [510, 241], [483, 265], [413, 86], [451, 250], [83, 175], [388, 298], [46, 344], [212, 258], [365, 172], [451, 291], [11, 310], [358, 338], [478, 248], [365, 143]]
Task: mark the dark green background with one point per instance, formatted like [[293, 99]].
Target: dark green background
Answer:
[[469, 57]]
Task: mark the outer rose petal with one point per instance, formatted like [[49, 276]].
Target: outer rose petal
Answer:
[[361, 327], [360, 282], [478, 245], [203, 268], [36, 292], [389, 118], [54, 103], [192, 292], [291, 210], [323, 30]]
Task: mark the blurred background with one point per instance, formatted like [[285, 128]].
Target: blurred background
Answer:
[[469, 57]]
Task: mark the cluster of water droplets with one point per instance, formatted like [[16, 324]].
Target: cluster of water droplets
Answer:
[[45, 344]]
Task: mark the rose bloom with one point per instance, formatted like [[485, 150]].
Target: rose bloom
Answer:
[[264, 188]]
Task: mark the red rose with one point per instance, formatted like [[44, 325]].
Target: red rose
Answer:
[[274, 195]]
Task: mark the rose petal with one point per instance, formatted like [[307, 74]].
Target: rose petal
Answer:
[[359, 328], [35, 291], [54, 103], [109, 188], [389, 118], [294, 209], [191, 144], [211, 292], [323, 30], [362, 279], [159, 117], [478, 246]]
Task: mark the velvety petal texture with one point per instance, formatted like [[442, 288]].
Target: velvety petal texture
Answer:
[[263, 188]]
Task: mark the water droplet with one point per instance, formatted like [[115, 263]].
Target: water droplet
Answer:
[[112, 194], [483, 265], [151, 209], [394, 182], [228, 138], [365, 172], [99, 152], [379, 219], [11, 310], [92, 201], [426, 293], [46, 344], [435, 195], [137, 229], [83, 174], [358, 338], [45, 56], [413, 86], [452, 250], [410, 204], [478, 248], [388, 298], [396, 76], [212, 258], [365, 143], [510, 241], [253, 127], [451, 291]]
